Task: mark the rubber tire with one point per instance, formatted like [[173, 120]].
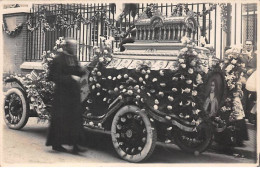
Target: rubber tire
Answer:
[[151, 135], [25, 113], [199, 149]]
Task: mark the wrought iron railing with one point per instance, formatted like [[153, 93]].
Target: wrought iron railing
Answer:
[[88, 35]]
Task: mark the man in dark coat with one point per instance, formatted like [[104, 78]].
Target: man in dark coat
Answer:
[[249, 58], [66, 122]]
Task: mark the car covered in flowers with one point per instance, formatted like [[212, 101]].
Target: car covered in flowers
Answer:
[[161, 88]]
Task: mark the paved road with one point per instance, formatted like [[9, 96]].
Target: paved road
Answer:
[[27, 146]]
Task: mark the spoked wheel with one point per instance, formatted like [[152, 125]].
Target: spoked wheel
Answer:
[[194, 142], [133, 135], [15, 107]]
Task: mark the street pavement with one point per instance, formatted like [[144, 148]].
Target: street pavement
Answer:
[[27, 147]]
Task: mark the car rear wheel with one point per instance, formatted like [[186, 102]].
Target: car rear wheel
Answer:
[[194, 142]]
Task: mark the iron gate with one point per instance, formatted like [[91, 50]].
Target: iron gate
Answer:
[[88, 35]]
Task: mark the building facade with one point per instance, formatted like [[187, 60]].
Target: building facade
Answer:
[[220, 25]]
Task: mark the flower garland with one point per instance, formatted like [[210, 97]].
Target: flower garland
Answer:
[[233, 68], [62, 22], [224, 12], [15, 32]]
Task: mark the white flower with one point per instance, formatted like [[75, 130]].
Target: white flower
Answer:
[[52, 55], [101, 59], [63, 42], [181, 60], [234, 61], [162, 84], [194, 52], [174, 78], [184, 50], [57, 42], [44, 53], [182, 77], [156, 101], [202, 40], [109, 59], [55, 48], [199, 79], [155, 107], [170, 98], [102, 38], [161, 93], [187, 90], [236, 50], [194, 93], [193, 63], [161, 72], [143, 71], [185, 40], [49, 59], [174, 89], [196, 111], [130, 92], [190, 71], [229, 68], [111, 39], [99, 73], [60, 50], [229, 51], [183, 65], [188, 81], [204, 68], [154, 80], [105, 52], [98, 85], [169, 107], [119, 76], [97, 50]]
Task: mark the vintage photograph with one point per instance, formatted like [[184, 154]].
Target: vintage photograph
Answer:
[[133, 83]]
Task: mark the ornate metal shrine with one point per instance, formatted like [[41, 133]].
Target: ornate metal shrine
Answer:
[[158, 41], [167, 29]]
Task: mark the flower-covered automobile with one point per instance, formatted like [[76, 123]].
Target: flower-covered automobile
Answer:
[[158, 89]]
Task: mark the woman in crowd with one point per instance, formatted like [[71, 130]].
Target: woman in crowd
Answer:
[[66, 122]]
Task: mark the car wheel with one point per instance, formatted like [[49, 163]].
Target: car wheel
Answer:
[[133, 135], [15, 109]]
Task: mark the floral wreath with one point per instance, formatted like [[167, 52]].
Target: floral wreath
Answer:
[[15, 32]]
